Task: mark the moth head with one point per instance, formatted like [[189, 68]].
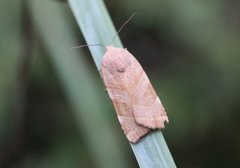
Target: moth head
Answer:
[[116, 60]]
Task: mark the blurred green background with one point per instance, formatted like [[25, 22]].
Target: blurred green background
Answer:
[[53, 108]]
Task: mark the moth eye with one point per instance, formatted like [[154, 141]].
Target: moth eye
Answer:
[[121, 69]]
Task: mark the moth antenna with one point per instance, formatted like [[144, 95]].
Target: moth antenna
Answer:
[[86, 45], [123, 25]]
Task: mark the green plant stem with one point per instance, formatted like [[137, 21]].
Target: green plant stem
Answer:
[[79, 83], [96, 26]]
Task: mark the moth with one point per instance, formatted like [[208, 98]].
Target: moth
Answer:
[[137, 105]]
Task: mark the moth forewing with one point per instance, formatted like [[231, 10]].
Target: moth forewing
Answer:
[[136, 103]]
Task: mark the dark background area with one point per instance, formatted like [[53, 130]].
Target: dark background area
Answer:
[[189, 49]]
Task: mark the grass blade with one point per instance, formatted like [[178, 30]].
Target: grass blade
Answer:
[[80, 85], [96, 26]]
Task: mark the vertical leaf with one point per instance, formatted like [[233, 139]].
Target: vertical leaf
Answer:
[[96, 26], [81, 88]]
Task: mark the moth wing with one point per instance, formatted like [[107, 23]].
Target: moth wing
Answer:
[[147, 108], [151, 117], [135, 101], [122, 105], [117, 90], [131, 129]]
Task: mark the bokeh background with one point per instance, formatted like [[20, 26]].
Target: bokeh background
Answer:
[[53, 108]]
